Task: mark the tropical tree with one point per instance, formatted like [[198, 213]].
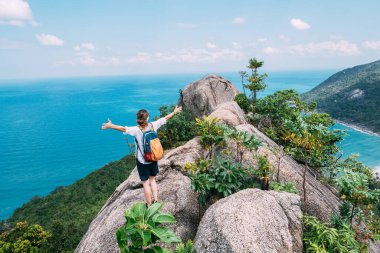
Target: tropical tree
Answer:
[[243, 74], [24, 238], [256, 82]]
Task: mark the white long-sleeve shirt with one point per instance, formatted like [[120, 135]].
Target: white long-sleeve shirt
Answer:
[[138, 134]]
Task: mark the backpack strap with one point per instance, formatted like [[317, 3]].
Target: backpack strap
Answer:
[[138, 147]]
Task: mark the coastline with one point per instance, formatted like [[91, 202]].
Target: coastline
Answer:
[[357, 128]]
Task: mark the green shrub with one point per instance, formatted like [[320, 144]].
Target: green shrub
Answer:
[[243, 102], [211, 133], [220, 179], [185, 248], [142, 231], [24, 238], [263, 171], [319, 237], [283, 187], [243, 140], [180, 128]]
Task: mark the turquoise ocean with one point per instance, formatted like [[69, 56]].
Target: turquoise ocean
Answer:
[[50, 128]]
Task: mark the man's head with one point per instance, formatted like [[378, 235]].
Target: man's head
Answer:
[[142, 117]]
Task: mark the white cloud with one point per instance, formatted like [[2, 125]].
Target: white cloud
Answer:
[[283, 37], [238, 20], [336, 37], [341, 47], [15, 13], [236, 45], [271, 50], [375, 45], [261, 40], [299, 24], [86, 58], [211, 45], [186, 56], [185, 25], [87, 46], [49, 40]]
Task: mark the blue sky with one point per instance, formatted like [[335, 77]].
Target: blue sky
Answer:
[[40, 38]]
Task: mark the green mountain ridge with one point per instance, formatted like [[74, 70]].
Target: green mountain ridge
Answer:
[[351, 95]]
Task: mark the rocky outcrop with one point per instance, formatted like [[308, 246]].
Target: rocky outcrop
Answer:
[[252, 221], [230, 113], [174, 190], [322, 199], [214, 95], [203, 96]]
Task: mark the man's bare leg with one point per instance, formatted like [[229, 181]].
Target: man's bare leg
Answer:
[[153, 185], [147, 192]]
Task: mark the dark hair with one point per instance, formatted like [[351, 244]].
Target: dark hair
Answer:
[[142, 116]]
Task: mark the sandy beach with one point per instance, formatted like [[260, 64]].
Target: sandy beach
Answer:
[[357, 128]]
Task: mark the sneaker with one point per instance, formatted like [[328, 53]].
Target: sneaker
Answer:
[[146, 204]]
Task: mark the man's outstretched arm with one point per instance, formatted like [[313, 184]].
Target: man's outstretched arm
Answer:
[[109, 125]]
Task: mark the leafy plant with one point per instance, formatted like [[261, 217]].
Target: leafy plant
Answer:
[[284, 187], [185, 248], [220, 179], [243, 101], [264, 171], [243, 141], [211, 133], [142, 231], [321, 238], [354, 188]]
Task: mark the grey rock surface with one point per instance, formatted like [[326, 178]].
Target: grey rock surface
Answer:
[[322, 199], [374, 247], [252, 221], [230, 113], [174, 190], [202, 97]]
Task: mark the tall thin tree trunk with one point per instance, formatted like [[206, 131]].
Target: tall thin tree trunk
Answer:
[[352, 214], [278, 170], [304, 188], [254, 101], [242, 84]]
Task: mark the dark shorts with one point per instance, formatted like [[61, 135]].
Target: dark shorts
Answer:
[[147, 170]]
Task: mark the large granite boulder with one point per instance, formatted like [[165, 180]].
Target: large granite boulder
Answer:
[[174, 189], [230, 113], [203, 96], [252, 221]]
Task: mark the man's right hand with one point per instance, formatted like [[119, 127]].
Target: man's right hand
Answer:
[[107, 125]]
